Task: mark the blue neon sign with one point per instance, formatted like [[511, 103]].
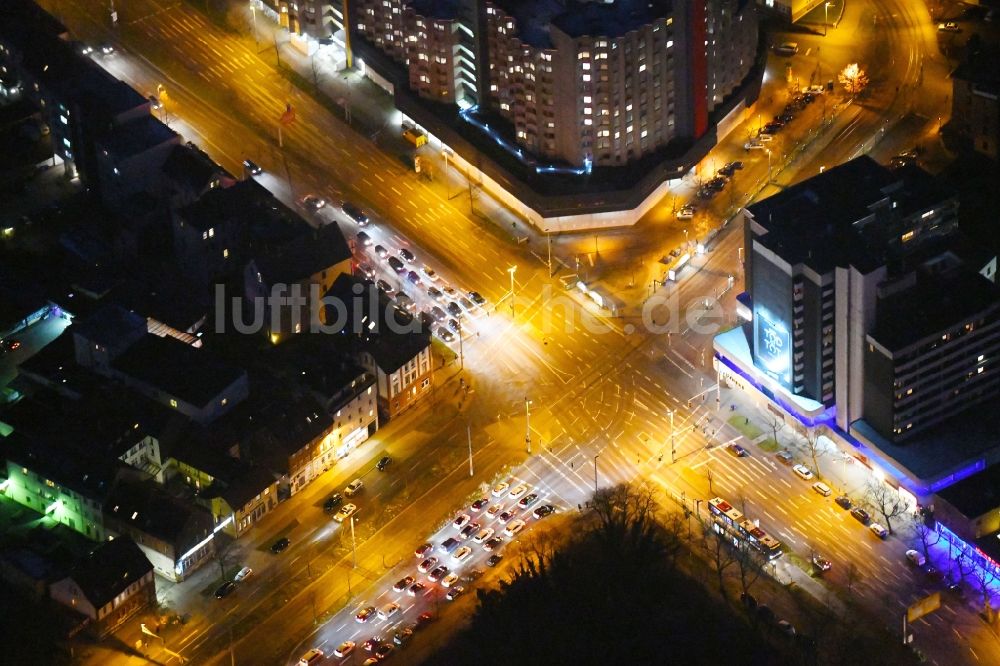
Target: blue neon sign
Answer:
[[773, 348]]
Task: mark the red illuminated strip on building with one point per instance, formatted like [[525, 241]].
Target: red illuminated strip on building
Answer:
[[699, 68]]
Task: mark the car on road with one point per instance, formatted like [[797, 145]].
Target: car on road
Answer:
[[731, 168], [423, 549], [413, 278], [484, 535], [435, 293], [844, 502], [345, 512], [372, 643], [454, 309], [427, 565], [454, 326], [462, 554], [250, 166], [718, 183], [364, 240], [507, 516], [802, 472], [785, 117], [492, 544], [786, 49], [454, 593], [383, 463], [860, 515], [948, 26], [753, 145], [386, 612], [500, 489], [425, 619], [437, 574], [916, 558], [402, 636], [477, 298], [86, 50], [407, 256], [243, 574], [461, 521], [518, 490], [879, 531], [706, 193], [344, 649], [770, 128], [396, 265], [449, 580], [469, 530], [494, 560], [313, 657], [364, 614], [785, 457], [381, 252], [107, 49], [738, 450], [225, 589], [355, 213], [280, 545], [765, 138], [383, 651], [514, 527], [821, 563], [367, 270], [430, 273], [416, 589], [405, 302], [438, 314], [685, 213], [445, 334], [332, 502], [466, 303], [402, 583], [312, 202], [543, 511], [822, 489], [474, 575], [495, 509], [480, 504], [354, 487], [527, 500]]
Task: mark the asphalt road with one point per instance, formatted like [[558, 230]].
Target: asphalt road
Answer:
[[598, 388]]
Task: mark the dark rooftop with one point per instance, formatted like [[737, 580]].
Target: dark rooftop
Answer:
[[191, 166], [936, 303], [812, 222], [579, 18], [109, 569], [191, 374], [309, 253], [981, 68], [977, 494], [149, 508], [435, 9], [111, 326], [393, 338], [88, 476], [137, 136]]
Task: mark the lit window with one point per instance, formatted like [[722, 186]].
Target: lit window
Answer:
[[907, 236], [642, 67], [225, 253], [173, 403]]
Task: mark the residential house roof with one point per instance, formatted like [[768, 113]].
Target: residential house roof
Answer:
[[305, 255], [109, 569]]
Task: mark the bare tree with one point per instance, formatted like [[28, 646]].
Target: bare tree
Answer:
[[853, 575], [814, 448], [750, 563], [775, 424], [886, 501], [628, 518], [964, 563], [984, 579], [927, 535], [719, 546], [853, 78]]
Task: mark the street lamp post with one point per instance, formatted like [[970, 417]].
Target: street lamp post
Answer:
[[673, 449], [826, 17], [768, 150], [354, 549], [468, 430], [512, 270], [256, 38], [527, 424], [596, 456], [548, 240], [461, 345]]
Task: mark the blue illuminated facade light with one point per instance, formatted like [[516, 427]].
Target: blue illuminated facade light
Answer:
[[468, 115]]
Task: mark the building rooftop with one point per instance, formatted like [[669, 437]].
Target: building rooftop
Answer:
[[436, 9], [934, 304], [109, 569], [191, 374], [982, 68], [975, 495], [305, 255], [393, 338], [136, 137], [812, 222], [88, 476], [580, 18], [150, 509], [247, 202], [111, 326], [191, 166]]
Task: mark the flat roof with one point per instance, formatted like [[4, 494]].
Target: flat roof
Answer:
[[975, 495], [934, 304], [812, 222], [137, 136], [309, 253], [193, 375], [581, 18]]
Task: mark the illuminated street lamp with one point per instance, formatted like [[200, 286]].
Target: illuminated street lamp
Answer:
[[512, 270], [826, 17], [673, 449], [596, 456], [527, 424]]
